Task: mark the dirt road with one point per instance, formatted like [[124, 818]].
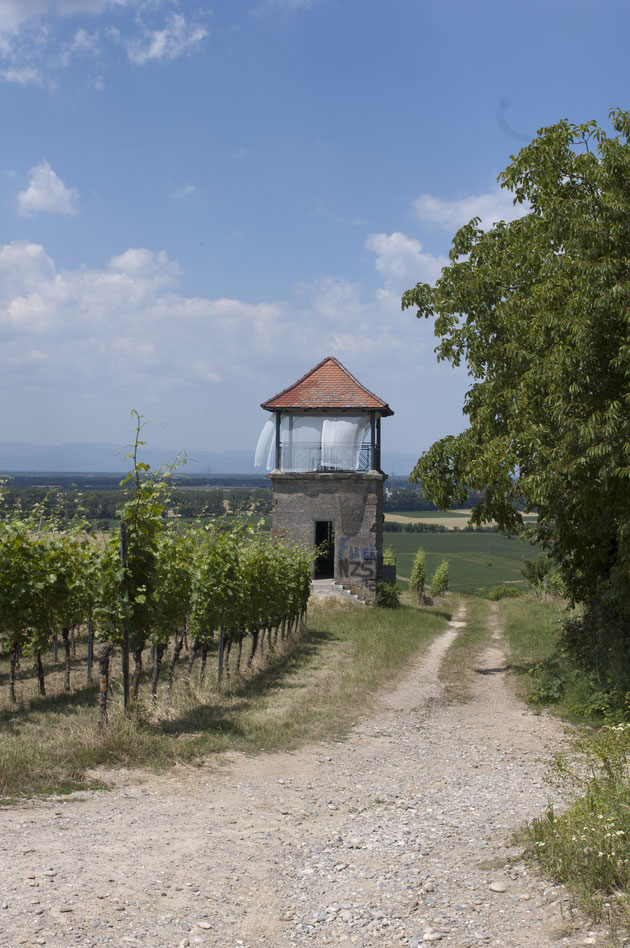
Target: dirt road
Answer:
[[396, 836]]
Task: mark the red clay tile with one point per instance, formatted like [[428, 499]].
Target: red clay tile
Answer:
[[328, 386]]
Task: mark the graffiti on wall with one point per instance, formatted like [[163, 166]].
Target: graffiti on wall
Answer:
[[356, 561]]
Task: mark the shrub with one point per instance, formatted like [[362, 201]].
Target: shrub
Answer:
[[439, 583], [503, 592], [387, 595], [418, 578]]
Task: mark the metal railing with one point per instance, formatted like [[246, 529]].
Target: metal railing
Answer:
[[308, 456]]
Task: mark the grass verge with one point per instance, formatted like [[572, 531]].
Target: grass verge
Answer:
[[457, 670], [588, 845], [546, 676], [311, 687]]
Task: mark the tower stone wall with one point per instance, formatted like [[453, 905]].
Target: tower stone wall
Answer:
[[353, 502]]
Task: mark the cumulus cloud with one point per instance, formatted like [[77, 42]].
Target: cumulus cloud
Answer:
[[450, 215], [164, 45], [79, 346], [46, 193], [128, 316], [130, 319], [402, 262]]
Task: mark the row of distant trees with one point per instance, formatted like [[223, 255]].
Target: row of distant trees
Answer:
[[98, 505], [185, 502], [407, 499]]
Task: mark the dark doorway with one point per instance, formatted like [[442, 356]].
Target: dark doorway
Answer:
[[325, 562]]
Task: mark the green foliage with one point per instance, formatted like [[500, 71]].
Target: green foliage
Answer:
[[439, 583], [543, 576], [539, 309], [389, 556], [387, 595], [559, 674], [588, 846], [418, 578], [495, 593]]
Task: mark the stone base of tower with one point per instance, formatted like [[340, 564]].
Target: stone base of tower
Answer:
[[352, 503]]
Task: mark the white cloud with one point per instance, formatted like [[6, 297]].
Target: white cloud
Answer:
[[32, 51], [401, 261], [13, 13], [186, 191], [176, 38], [46, 192], [82, 43], [450, 215], [129, 320], [23, 76], [82, 345]]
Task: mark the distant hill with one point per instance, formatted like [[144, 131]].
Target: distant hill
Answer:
[[105, 458]]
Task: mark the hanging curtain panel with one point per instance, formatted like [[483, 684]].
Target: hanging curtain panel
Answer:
[[342, 438], [301, 438], [266, 445], [311, 443]]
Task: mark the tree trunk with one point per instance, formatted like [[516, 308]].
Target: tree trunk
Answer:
[[90, 647], [238, 655], [103, 656], [137, 672], [261, 641], [74, 642], [177, 647], [40, 673], [13, 666], [56, 646], [160, 648], [252, 651], [65, 635], [202, 670], [282, 625]]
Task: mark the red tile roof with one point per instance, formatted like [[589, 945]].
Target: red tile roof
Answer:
[[328, 386]]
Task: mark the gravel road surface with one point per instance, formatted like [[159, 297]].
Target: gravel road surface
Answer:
[[397, 836]]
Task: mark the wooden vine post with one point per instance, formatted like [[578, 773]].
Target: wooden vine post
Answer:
[[125, 627], [221, 645]]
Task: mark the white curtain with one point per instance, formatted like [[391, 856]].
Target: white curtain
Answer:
[[342, 438], [265, 448], [310, 443], [301, 438]]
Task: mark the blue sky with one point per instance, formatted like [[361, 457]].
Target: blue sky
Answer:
[[200, 201]]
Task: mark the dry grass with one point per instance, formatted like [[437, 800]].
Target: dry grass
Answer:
[[311, 687]]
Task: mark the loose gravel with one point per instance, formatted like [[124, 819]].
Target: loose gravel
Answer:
[[397, 836]]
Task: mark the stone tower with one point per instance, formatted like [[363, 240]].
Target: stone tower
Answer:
[[323, 449]]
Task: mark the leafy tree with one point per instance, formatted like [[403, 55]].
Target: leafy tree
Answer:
[[539, 309]]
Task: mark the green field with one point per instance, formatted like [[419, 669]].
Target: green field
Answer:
[[475, 559], [455, 515]]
